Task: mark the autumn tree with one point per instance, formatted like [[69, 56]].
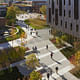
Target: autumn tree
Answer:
[[64, 37], [23, 35], [43, 9], [58, 41], [11, 15], [12, 33], [77, 58], [32, 61], [35, 76]]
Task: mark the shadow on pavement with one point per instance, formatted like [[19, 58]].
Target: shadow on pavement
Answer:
[[56, 61], [62, 76], [46, 69], [33, 51], [53, 78]]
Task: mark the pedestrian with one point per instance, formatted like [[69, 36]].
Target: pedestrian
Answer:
[[35, 48], [56, 70], [48, 75], [51, 55], [49, 31], [51, 72], [37, 33], [31, 33], [46, 46]]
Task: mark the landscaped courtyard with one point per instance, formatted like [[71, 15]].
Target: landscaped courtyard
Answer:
[[10, 33], [37, 23]]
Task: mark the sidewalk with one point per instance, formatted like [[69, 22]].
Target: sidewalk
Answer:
[[49, 64]]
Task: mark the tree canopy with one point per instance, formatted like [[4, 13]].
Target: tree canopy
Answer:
[[35, 76], [11, 15], [32, 61], [43, 9]]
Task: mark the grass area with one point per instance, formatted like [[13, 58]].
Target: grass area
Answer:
[[68, 52], [10, 74], [13, 37], [36, 23]]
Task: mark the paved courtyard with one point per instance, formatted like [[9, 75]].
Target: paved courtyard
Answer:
[[47, 64]]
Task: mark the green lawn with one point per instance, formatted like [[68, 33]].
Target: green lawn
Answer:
[[68, 52], [10, 74], [36, 23], [12, 37]]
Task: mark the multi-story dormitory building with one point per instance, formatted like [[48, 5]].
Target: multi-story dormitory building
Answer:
[[64, 15]]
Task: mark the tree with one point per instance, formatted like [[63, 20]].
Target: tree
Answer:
[[43, 9], [58, 40], [32, 61], [23, 35], [64, 37], [12, 34], [11, 15], [35, 76], [77, 58]]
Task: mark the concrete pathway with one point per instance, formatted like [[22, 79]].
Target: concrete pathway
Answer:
[[48, 64]]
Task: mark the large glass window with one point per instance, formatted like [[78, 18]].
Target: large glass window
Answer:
[[76, 9], [77, 28], [52, 6], [69, 2], [71, 26], [56, 16], [60, 7]]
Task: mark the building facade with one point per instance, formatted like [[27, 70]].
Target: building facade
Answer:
[[31, 5], [64, 15]]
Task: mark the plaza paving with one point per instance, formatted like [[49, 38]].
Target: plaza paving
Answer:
[[47, 64]]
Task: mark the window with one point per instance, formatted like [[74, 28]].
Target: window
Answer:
[[57, 2], [71, 26], [49, 14], [76, 9], [77, 28], [56, 16], [60, 7], [61, 22], [53, 20], [64, 2], [64, 12], [52, 6], [65, 24], [69, 2], [69, 13]]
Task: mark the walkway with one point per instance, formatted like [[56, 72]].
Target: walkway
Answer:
[[48, 64]]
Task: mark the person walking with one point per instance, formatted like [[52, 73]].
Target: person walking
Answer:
[[35, 48], [37, 33], [56, 69], [51, 55], [46, 46], [48, 75]]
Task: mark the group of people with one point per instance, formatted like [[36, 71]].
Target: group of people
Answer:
[[51, 55], [34, 48], [56, 68], [48, 74], [51, 52]]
